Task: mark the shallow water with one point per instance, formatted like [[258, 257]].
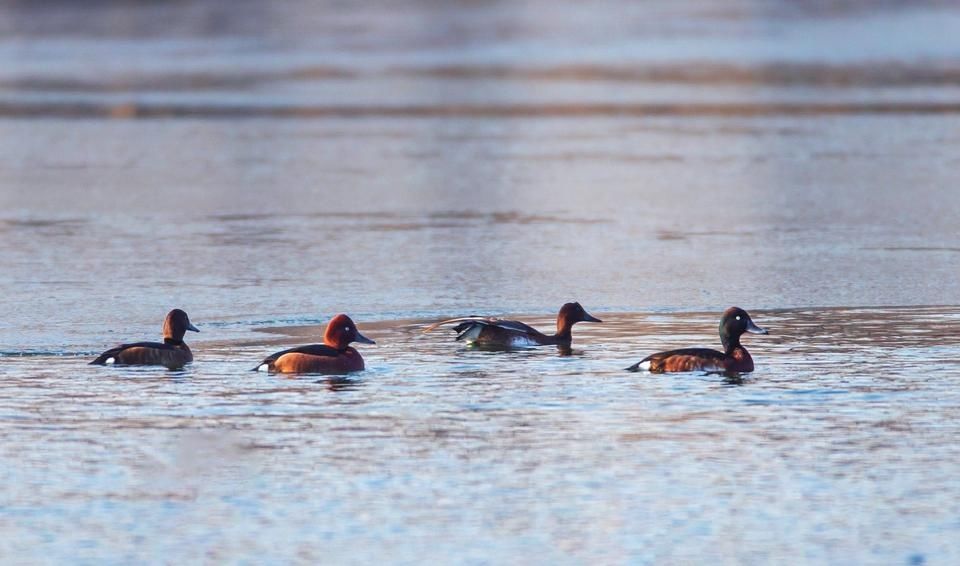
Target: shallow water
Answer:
[[266, 166]]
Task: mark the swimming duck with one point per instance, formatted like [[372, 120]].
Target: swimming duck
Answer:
[[504, 334], [734, 357], [333, 356], [173, 352]]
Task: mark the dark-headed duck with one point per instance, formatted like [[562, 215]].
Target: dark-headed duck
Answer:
[[505, 334], [173, 352], [333, 356], [734, 357]]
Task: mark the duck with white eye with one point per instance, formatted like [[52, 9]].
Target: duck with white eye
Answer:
[[334, 356], [734, 358]]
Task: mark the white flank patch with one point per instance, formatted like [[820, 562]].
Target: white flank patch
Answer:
[[109, 361], [263, 367], [645, 366]]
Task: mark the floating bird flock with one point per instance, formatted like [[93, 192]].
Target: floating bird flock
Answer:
[[336, 355]]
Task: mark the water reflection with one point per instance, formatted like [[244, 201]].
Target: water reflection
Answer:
[[728, 377], [341, 383]]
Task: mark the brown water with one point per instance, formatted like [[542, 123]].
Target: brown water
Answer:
[[265, 166]]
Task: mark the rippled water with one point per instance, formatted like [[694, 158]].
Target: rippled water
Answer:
[[840, 447], [264, 166]]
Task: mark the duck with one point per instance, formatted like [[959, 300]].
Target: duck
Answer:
[[173, 352], [495, 333], [734, 358], [334, 356]]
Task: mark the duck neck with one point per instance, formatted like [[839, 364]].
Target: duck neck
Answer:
[[173, 341], [564, 331], [338, 345], [730, 343]]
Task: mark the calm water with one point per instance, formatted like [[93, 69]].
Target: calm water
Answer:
[[265, 166]]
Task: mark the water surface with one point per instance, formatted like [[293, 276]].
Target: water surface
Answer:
[[841, 446], [264, 166]]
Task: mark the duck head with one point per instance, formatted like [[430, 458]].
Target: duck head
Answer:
[[176, 325], [734, 322], [341, 331], [570, 314]]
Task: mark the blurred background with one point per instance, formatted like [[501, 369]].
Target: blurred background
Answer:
[[267, 160], [264, 165]]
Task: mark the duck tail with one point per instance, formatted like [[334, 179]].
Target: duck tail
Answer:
[[107, 357], [642, 365]]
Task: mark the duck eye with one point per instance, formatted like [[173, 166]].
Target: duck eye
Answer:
[[348, 328], [738, 317]]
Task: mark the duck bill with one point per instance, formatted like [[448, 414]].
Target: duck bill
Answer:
[[587, 317], [754, 329], [363, 339], [192, 327]]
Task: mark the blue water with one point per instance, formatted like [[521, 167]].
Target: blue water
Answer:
[[266, 166], [840, 447]]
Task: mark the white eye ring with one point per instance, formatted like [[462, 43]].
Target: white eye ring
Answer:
[[738, 317], [348, 328]]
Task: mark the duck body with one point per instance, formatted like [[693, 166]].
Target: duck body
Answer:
[[314, 358], [734, 358], [495, 333], [696, 359], [507, 333], [334, 356], [172, 356], [172, 353]]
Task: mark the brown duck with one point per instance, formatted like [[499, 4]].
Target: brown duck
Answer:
[[495, 333], [172, 353], [334, 356], [734, 357]]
